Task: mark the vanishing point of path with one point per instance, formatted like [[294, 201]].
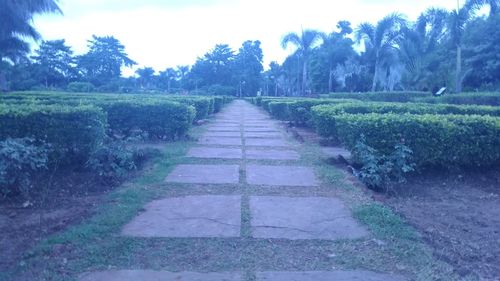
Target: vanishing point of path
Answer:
[[241, 187]]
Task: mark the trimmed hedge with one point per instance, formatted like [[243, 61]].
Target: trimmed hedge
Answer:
[[279, 110], [382, 96], [324, 116], [466, 98], [72, 132], [436, 140], [162, 120], [413, 108]]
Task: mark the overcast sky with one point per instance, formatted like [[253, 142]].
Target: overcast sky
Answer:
[[167, 33]]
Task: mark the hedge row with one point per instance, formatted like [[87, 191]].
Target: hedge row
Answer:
[[324, 116], [204, 105], [160, 119], [382, 96], [492, 99], [436, 140], [72, 132], [296, 110]]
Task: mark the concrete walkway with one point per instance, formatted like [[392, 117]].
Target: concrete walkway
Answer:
[[247, 150]]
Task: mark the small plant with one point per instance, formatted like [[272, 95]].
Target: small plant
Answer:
[[380, 172], [21, 160], [112, 162]]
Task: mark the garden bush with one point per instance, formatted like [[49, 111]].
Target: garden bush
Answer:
[[218, 104], [379, 172], [324, 116], [80, 87], [159, 119], [413, 108], [492, 99], [21, 160], [279, 110], [73, 132], [111, 162], [436, 140], [382, 96]]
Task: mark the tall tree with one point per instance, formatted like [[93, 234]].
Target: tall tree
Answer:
[[214, 68], [248, 68], [55, 60], [168, 76], [457, 23], [183, 71], [478, 4], [336, 49], [381, 39], [417, 45], [104, 61], [16, 26], [146, 76], [304, 42]]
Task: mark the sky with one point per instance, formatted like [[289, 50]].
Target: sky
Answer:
[[167, 33]]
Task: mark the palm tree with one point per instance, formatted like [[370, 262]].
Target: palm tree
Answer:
[[304, 42], [16, 23], [474, 5], [457, 22], [419, 41], [381, 39]]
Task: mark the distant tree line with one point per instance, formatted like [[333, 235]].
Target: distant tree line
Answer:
[[456, 49]]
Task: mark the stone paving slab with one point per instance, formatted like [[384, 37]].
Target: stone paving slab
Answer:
[[281, 175], [263, 135], [223, 129], [358, 275], [222, 134], [302, 218], [266, 142], [205, 174], [260, 129], [220, 141], [150, 275], [216, 153], [271, 154], [191, 216]]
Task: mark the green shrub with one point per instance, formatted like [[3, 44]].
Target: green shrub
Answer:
[[492, 99], [202, 106], [324, 116], [279, 110], [218, 104], [219, 90], [436, 140], [21, 160], [73, 132], [379, 172], [160, 119], [413, 108], [80, 87], [382, 96], [258, 101], [111, 162], [300, 110]]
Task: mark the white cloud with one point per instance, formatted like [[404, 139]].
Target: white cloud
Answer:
[[163, 34]]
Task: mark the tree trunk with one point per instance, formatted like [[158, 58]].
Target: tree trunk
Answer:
[[375, 75], [458, 78], [4, 87], [276, 89], [304, 77], [330, 81]]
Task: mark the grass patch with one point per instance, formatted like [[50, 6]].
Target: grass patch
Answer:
[[384, 223]]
